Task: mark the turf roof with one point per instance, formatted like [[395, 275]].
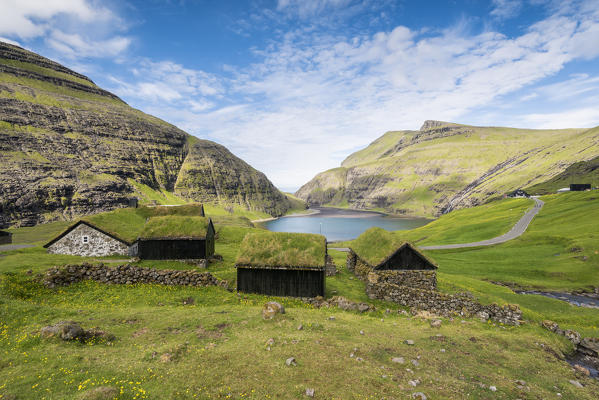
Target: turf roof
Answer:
[[376, 244], [282, 250], [175, 227]]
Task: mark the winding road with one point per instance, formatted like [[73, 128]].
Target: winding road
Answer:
[[516, 231]]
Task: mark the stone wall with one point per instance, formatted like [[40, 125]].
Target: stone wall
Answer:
[[420, 279], [127, 274], [98, 244], [440, 303]]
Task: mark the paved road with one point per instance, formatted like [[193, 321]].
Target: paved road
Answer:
[[516, 231], [9, 247]]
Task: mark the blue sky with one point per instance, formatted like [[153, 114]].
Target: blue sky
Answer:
[[294, 86]]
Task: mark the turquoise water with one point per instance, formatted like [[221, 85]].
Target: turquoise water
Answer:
[[337, 224]]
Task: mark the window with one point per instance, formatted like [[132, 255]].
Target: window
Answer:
[[85, 239]]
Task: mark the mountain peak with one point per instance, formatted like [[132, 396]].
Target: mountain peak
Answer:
[[430, 124]]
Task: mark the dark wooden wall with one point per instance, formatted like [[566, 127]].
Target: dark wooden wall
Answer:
[[171, 249], [5, 237], [281, 282], [579, 187], [406, 258]]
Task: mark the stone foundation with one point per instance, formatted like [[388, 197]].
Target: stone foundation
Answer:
[[440, 303], [127, 274], [418, 279]]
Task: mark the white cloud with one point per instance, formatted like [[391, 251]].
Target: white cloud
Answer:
[[576, 118], [314, 98], [504, 9], [62, 24], [307, 8]]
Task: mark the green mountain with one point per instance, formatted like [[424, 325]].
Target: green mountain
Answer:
[[445, 166], [69, 148]]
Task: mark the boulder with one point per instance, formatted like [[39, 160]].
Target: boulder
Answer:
[[271, 309], [65, 330]]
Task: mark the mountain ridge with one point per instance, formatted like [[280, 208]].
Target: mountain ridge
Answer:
[[446, 165], [69, 148]]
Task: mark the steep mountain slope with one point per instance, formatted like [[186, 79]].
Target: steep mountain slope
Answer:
[[444, 166], [68, 147], [580, 172]]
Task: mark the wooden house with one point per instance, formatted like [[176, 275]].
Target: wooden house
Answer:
[[580, 187], [175, 238], [5, 237], [88, 240], [282, 264]]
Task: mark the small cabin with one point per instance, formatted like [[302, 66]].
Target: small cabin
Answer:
[[580, 187], [175, 238], [282, 264], [87, 240], [379, 251], [518, 193], [5, 237]]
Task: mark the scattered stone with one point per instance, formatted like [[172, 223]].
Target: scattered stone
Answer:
[[442, 350], [361, 332], [188, 301], [492, 388], [70, 330], [409, 342], [310, 392], [520, 382], [436, 323], [419, 396], [363, 307], [270, 342], [331, 318], [351, 355], [300, 327], [573, 336], [415, 363], [399, 360], [359, 359], [583, 370], [576, 383], [100, 393], [271, 309], [166, 357], [414, 382], [290, 362], [483, 316]]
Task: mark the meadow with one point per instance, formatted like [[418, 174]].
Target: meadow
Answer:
[[211, 343]]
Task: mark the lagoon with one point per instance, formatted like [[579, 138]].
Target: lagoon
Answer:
[[340, 224]]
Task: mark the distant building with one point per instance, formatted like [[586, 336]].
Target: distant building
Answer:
[[518, 193], [133, 202], [175, 238], [87, 240], [580, 187], [282, 264], [5, 237]]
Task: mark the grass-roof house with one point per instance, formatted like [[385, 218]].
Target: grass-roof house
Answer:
[[175, 238], [282, 264], [5, 237], [381, 251]]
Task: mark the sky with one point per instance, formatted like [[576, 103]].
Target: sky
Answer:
[[295, 86]]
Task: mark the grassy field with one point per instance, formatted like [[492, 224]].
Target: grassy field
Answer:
[[216, 348]]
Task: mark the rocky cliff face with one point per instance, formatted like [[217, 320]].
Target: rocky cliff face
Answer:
[[444, 166], [68, 148]]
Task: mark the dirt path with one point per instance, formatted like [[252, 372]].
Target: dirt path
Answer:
[[9, 247]]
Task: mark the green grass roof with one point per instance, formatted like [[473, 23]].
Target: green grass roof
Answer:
[[376, 244], [282, 250], [175, 227]]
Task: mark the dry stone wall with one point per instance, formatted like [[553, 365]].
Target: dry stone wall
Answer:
[[97, 245], [439, 303], [127, 274]]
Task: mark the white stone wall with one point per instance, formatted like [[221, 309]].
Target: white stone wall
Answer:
[[98, 244]]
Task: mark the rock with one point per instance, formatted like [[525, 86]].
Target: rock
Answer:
[[550, 325], [576, 383], [414, 382], [310, 392], [271, 309], [415, 363], [399, 360], [188, 301], [331, 318], [590, 347], [483, 315], [419, 396], [442, 350], [409, 342], [290, 362], [65, 330], [359, 359], [166, 357], [436, 323], [492, 388], [363, 307], [582, 370], [100, 393], [361, 332], [572, 336], [520, 382], [300, 327]]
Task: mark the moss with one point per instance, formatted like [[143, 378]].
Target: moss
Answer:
[[45, 71], [282, 249], [175, 227]]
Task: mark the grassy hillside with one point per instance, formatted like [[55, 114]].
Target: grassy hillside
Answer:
[[167, 348], [580, 172], [447, 166]]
